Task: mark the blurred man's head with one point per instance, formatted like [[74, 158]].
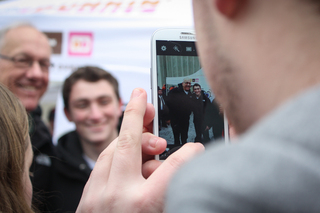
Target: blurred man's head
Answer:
[[197, 89], [92, 102], [186, 84], [24, 63], [257, 53]]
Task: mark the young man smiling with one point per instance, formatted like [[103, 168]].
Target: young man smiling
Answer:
[[92, 102], [179, 102], [200, 103]]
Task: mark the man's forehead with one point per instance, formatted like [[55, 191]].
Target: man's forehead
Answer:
[[96, 97], [26, 39], [83, 89]]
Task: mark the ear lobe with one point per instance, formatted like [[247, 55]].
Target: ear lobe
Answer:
[[228, 8], [66, 112]]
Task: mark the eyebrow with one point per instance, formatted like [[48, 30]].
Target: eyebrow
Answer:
[[99, 97], [29, 56]]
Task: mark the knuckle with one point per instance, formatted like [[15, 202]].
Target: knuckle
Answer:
[[194, 148], [111, 199], [87, 205], [102, 156], [137, 201], [132, 110], [106, 201], [140, 203], [176, 161], [126, 141], [144, 203], [107, 153]]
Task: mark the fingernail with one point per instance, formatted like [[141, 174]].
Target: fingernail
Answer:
[[153, 142], [136, 93]]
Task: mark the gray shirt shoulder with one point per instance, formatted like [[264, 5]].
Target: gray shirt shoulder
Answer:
[[274, 167]]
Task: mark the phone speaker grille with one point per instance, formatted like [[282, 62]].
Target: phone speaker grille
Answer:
[[187, 33]]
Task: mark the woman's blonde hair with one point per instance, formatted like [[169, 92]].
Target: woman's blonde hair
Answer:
[[14, 141]]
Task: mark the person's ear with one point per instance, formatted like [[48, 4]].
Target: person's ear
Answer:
[[229, 8], [67, 113]]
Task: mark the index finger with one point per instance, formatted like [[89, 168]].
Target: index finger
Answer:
[[148, 118], [127, 156]]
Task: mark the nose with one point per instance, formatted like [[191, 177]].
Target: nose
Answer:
[[35, 71], [95, 112]]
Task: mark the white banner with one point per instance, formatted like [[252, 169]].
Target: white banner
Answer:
[[112, 34]]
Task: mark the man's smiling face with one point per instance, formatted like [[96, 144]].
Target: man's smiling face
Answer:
[[27, 83]]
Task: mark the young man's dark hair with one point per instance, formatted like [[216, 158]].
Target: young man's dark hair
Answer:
[[90, 74], [196, 85]]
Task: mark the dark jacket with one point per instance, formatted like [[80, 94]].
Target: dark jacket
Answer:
[[70, 176], [214, 118], [43, 151], [180, 104], [199, 107]]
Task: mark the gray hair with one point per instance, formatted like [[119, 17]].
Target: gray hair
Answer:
[[186, 80], [9, 27]]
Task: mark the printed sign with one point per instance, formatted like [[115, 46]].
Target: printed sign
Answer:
[[55, 40], [80, 44]]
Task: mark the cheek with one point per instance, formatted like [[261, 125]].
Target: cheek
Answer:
[[79, 116], [27, 187], [29, 191], [8, 74], [45, 81], [112, 111], [46, 77]]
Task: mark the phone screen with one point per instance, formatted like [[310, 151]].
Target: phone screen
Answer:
[[187, 109]]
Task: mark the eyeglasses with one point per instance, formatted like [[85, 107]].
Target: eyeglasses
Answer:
[[26, 62]]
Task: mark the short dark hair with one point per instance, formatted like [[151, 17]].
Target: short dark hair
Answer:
[[195, 85], [90, 74]]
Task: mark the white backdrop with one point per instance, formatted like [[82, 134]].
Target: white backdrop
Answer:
[[112, 34]]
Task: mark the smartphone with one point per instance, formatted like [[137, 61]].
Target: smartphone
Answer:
[[185, 106]]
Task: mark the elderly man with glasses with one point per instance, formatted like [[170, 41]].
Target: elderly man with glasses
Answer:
[[179, 102], [24, 69]]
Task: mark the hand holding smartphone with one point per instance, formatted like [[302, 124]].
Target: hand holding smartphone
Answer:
[[186, 109]]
